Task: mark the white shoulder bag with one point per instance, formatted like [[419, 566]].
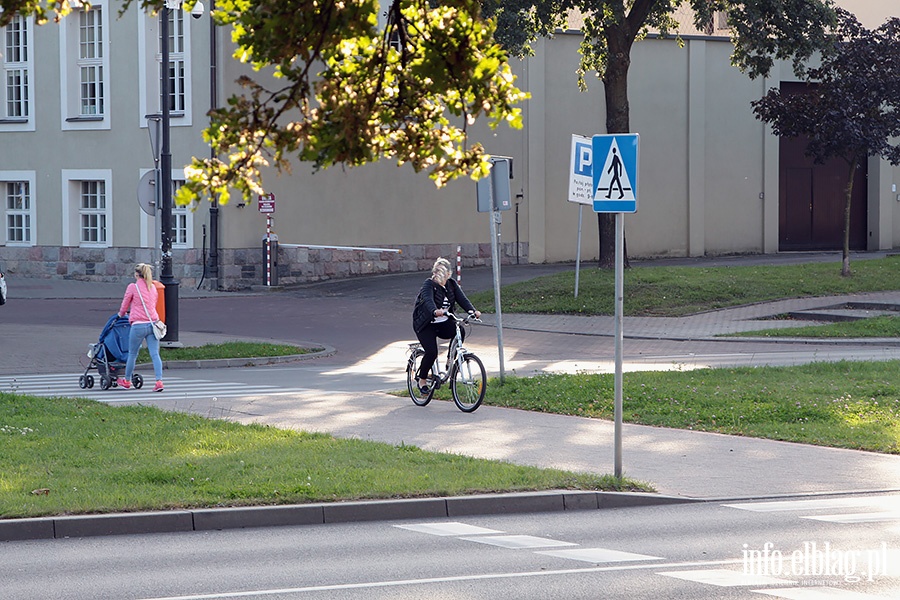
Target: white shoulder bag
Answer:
[[159, 328]]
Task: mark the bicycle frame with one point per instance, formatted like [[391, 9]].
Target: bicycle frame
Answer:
[[455, 352], [464, 371]]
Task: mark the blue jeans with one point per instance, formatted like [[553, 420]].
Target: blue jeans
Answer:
[[140, 332]]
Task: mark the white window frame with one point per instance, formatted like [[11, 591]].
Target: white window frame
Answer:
[[21, 61], [182, 217], [73, 63], [28, 213], [72, 210], [150, 64], [93, 226]]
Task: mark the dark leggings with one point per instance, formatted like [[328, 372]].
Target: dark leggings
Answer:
[[428, 338]]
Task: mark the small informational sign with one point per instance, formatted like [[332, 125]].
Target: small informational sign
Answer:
[[581, 180], [492, 192], [615, 173], [267, 203]]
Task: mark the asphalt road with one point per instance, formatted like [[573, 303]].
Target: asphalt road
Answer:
[[802, 549]]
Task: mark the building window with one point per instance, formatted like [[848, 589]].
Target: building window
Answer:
[[84, 72], [18, 212], [17, 209], [87, 208], [90, 61], [15, 63], [175, 71], [178, 71], [182, 221], [15, 66], [93, 212]]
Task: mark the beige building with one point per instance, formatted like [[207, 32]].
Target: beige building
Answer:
[[74, 146]]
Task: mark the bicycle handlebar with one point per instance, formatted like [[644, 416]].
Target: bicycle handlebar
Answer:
[[466, 319]]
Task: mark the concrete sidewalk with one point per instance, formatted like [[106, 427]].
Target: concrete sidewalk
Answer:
[[681, 464]]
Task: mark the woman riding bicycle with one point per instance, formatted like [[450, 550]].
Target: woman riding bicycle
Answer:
[[437, 297]]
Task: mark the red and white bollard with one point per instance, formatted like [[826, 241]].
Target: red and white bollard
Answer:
[[268, 250]]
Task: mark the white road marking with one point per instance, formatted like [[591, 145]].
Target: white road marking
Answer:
[[886, 502], [517, 541], [408, 582], [598, 555], [454, 528], [873, 517], [725, 577], [66, 385]]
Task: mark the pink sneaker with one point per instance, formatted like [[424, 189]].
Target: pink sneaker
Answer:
[[123, 383], [158, 387]]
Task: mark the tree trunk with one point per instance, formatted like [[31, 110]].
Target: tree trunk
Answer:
[[615, 89], [845, 258]]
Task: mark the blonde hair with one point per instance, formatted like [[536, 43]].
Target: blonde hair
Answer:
[[146, 273], [441, 267]]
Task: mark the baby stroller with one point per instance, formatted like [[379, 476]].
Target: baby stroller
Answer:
[[109, 356]]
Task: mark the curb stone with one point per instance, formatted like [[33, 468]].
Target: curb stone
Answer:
[[206, 519]]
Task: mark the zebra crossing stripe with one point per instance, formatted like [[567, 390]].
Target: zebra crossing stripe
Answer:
[[887, 502], [66, 385]]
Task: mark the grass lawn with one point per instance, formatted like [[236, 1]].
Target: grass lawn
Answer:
[[226, 350], [679, 291], [70, 456], [874, 327], [843, 405], [60, 456]]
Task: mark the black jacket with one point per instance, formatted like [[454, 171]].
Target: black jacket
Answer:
[[431, 297]]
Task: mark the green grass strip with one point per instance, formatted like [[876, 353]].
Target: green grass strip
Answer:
[[873, 327], [69, 456], [227, 350], [843, 405], [679, 291]]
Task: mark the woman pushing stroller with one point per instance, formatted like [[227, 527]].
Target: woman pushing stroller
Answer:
[[140, 304]]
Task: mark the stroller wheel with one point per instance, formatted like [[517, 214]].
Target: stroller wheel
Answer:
[[82, 382], [105, 382], [90, 381], [137, 380]]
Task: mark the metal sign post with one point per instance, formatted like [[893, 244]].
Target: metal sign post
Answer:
[[495, 258], [580, 185], [493, 194], [615, 183], [578, 254], [620, 321]]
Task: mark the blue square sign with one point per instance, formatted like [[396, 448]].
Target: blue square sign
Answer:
[[615, 173]]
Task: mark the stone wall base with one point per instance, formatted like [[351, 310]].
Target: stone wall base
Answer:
[[242, 268]]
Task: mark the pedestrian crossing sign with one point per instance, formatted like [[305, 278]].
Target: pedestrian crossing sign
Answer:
[[615, 173]]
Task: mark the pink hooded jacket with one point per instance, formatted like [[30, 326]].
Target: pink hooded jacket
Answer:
[[131, 303]]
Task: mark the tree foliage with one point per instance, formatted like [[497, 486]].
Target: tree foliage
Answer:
[[333, 86], [762, 31], [851, 108]]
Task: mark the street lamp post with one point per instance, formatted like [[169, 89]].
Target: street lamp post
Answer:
[[213, 262], [167, 277]]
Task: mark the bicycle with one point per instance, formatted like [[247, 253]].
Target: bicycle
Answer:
[[464, 370]]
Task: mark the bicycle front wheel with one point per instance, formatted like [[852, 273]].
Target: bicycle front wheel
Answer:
[[412, 379], [468, 384]]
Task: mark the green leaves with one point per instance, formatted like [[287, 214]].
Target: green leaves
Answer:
[[353, 93], [334, 86], [852, 101]]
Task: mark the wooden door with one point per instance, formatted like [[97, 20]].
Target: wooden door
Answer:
[[812, 198]]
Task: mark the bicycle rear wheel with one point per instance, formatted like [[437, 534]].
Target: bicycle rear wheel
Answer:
[[412, 379], [468, 383]]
